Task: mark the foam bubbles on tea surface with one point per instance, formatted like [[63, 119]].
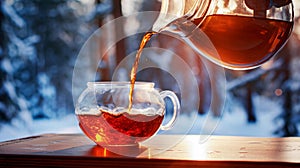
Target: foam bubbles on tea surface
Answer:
[[134, 114], [149, 111], [87, 111]]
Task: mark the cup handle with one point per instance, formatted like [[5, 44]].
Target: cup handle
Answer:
[[176, 108]]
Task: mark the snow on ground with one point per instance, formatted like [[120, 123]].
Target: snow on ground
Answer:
[[67, 124], [233, 122]]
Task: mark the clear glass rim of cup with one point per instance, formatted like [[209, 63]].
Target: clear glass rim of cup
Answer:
[[117, 84]]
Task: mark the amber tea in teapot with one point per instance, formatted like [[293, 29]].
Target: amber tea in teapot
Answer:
[[244, 41]]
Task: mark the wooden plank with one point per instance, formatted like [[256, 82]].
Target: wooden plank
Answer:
[[72, 150], [65, 161]]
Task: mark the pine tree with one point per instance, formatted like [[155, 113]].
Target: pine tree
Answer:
[[13, 61], [41, 40]]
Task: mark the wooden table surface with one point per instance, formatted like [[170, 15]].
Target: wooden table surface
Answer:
[[75, 150]]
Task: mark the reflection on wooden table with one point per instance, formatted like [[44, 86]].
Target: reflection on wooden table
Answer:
[[74, 150]]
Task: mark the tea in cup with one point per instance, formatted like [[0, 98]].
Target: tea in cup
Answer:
[[103, 113]]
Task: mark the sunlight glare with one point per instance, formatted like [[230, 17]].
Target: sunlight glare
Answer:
[[226, 8]]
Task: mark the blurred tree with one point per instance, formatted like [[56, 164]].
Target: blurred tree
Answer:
[[120, 46], [283, 85], [61, 32], [104, 8], [40, 43], [288, 89], [13, 61], [244, 91]]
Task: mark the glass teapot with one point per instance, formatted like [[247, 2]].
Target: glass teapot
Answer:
[[236, 34]]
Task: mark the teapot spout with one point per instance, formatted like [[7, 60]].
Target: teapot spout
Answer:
[[170, 10], [177, 10], [174, 9]]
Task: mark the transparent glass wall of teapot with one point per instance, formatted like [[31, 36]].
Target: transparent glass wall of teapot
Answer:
[[236, 34]]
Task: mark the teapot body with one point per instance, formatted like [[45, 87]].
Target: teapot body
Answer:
[[236, 34]]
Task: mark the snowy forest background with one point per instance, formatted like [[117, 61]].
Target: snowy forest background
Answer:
[[40, 41]]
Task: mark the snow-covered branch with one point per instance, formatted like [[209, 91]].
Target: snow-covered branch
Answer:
[[252, 76], [15, 18]]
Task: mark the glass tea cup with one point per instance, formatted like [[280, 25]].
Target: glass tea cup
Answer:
[[103, 113]]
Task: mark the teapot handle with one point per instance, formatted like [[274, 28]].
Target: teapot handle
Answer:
[[176, 108]]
